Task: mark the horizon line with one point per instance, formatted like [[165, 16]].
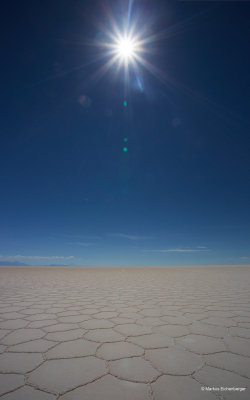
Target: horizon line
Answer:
[[123, 266]]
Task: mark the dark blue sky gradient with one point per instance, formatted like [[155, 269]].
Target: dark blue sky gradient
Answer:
[[180, 195]]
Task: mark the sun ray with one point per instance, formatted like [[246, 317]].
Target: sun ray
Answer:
[[126, 44]]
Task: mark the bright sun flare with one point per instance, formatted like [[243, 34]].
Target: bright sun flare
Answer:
[[127, 46], [125, 49]]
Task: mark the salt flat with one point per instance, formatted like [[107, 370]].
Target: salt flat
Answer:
[[124, 333]]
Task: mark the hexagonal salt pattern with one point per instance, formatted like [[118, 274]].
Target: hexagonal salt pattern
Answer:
[[109, 388], [73, 348], [201, 344], [9, 382], [174, 361], [129, 333], [28, 393], [59, 376], [115, 351], [19, 362], [179, 388], [134, 369]]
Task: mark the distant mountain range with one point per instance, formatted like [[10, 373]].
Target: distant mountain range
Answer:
[[19, 264], [14, 264], [59, 265]]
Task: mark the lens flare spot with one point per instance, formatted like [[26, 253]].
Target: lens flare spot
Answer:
[[125, 362], [125, 149], [85, 101]]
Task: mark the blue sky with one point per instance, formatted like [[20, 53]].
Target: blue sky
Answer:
[[70, 194]]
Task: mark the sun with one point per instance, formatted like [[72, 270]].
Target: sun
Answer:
[[126, 49], [125, 45]]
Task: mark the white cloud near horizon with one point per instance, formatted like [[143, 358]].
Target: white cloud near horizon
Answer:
[[22, 257], [197, 250], [127, 236], [87, 237], [84, 244]]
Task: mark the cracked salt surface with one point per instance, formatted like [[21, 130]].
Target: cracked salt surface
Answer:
[[141, 334]]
